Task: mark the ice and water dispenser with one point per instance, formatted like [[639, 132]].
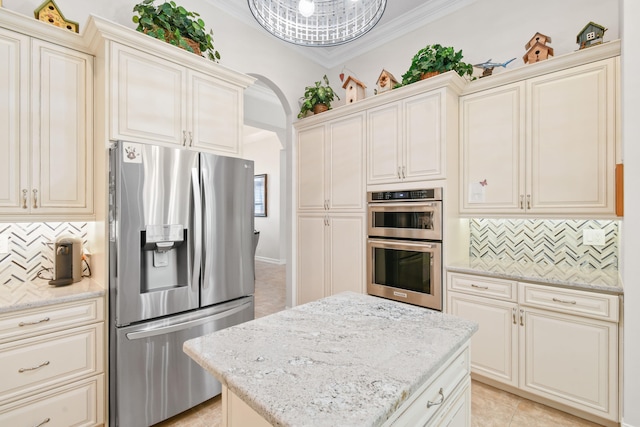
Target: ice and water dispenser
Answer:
[[164, 259]]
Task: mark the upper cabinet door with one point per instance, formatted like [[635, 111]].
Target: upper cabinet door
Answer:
[[148, 98], [215, 114], [346, 163], [572, 140], [384, 144], [492, 150], [14, 125], [424, 120], [311, 168], [62, 108]]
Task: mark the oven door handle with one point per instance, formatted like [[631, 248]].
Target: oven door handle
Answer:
[[403, 243], [406, 205]]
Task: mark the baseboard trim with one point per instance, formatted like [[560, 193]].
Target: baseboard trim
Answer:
[[271, 260]]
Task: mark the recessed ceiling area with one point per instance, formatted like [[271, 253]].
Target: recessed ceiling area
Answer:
[[400, 17]]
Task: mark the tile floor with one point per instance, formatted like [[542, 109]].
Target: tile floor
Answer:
[[490, 407]]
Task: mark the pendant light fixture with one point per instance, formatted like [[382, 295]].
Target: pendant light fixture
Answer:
[[317, 22]]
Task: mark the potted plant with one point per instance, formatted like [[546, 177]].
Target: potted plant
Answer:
[[176, 25], [435, 59], [317, 98]]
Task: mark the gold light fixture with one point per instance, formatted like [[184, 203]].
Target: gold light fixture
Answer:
[[317, 22]]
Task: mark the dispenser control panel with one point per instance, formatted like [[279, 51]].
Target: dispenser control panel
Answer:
[[164, 233]]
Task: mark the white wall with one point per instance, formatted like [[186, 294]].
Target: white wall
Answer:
[[264, 149], [489, 29], [631, 229]]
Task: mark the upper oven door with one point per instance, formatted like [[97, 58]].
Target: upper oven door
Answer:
[[413, 220]]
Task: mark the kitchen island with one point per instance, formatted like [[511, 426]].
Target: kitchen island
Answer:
[[348, 360]]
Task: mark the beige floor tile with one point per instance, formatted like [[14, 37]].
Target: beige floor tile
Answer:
[[530, 413], [486, 392]]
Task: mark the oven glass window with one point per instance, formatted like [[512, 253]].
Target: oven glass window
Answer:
[[409, 270], [412, 220]]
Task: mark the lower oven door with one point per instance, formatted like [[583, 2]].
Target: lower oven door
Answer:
[[406, 271]]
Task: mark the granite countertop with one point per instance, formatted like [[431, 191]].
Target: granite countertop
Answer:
[[582, 278], [347, 360], [37, 293]]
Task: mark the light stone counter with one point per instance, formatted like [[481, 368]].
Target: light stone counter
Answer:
[[583, 278], [345, 360], [38, 293]]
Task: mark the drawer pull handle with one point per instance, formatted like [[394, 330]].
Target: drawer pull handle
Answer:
[[46, 319], [521, 317], [430, 403], [564, 301], [24, 199], [46, 420], [473, 285], [35, 199], [513, 310], [21, 370]]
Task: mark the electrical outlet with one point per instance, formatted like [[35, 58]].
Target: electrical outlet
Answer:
[[4, 244], [593, 237]]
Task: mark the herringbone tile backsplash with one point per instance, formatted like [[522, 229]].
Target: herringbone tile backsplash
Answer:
[[31, 247], [544, 241]]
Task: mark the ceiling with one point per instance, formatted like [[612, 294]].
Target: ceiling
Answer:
[[399, 18]]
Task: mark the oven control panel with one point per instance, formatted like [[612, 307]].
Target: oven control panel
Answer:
[[420, 195]]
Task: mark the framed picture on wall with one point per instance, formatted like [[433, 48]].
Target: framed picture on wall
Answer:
[[260, 195]]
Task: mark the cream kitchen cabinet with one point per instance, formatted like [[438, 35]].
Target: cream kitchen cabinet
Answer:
[[331, 249], [407, 139], [331, 165], [156, 100], [542, 146], [555, 343], [47, 132], [53, 364]]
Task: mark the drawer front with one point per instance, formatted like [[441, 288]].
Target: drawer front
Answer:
[[78, 404], [436, 395], [483, 286], [589, 304], [28, 323], [35, 364]]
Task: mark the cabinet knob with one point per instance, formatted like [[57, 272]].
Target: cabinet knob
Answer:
[[35, 199], [24, 199]]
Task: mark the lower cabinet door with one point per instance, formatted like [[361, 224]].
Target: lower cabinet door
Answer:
[[571, 360], [346, 253], [77, 404], [458, 412], [311, 257], [494, 347]]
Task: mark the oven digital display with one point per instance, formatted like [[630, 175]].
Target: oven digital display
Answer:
[[410, 270]]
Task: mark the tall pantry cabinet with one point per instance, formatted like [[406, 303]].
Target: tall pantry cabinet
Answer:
[[331, 223]]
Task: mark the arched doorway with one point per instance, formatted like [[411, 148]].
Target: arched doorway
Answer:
[[267, 141]]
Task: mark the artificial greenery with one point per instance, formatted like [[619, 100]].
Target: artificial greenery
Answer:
[[317, 94], [174, 24], [436, 58]]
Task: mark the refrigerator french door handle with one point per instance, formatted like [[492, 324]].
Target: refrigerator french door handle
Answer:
[[197, 228], [185, 325], [206, 229]]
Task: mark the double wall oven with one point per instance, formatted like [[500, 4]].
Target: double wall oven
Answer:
[[404, 247]]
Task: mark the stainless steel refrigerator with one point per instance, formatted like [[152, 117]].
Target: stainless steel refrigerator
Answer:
[[181, 266]]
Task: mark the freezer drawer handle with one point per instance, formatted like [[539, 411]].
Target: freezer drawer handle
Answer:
[[564, 301], [21, 370], [185, 325]]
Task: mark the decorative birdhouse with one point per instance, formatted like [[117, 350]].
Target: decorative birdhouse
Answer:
[[385, 82], [49, 12], [354, 90], [591, 35], [538, 50]]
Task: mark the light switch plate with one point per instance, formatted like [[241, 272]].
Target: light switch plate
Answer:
[[593, 237], [4, 244]]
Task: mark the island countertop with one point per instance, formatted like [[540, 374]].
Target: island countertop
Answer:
[[348, 360]]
